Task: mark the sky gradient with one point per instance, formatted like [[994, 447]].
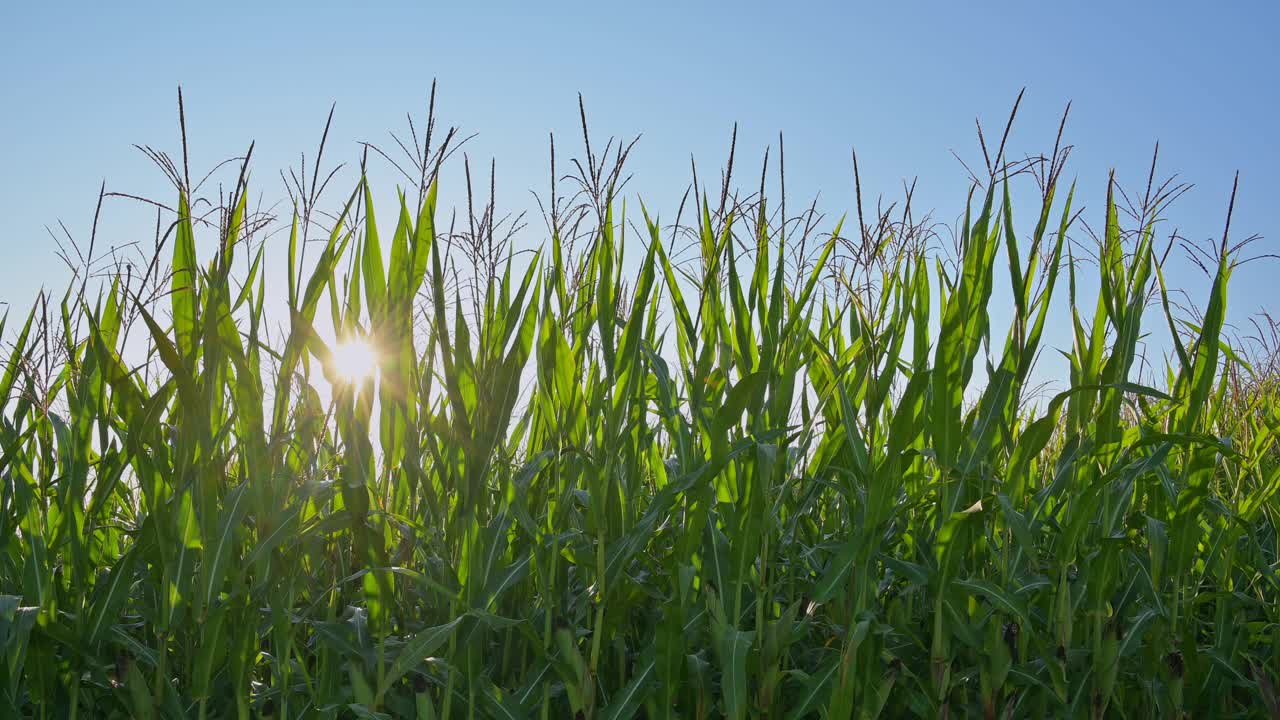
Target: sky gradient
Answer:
[[81, 85]]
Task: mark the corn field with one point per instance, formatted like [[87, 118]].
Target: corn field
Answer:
[[743, 467]]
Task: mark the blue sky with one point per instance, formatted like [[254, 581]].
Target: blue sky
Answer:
[[902, 82]]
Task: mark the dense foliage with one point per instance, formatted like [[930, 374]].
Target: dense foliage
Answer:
[[761, 481]]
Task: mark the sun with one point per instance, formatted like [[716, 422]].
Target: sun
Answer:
[[355, 360]]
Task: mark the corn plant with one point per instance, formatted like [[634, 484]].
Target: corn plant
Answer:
[[713, 482]]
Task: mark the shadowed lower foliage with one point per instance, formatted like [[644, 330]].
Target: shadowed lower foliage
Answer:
[[763, 481]]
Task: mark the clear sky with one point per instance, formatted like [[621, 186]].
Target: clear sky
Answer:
[[902, 82]]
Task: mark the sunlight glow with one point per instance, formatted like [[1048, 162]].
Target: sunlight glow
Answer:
[[355, 360]]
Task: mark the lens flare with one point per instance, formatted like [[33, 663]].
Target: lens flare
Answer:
[[355, 360]]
